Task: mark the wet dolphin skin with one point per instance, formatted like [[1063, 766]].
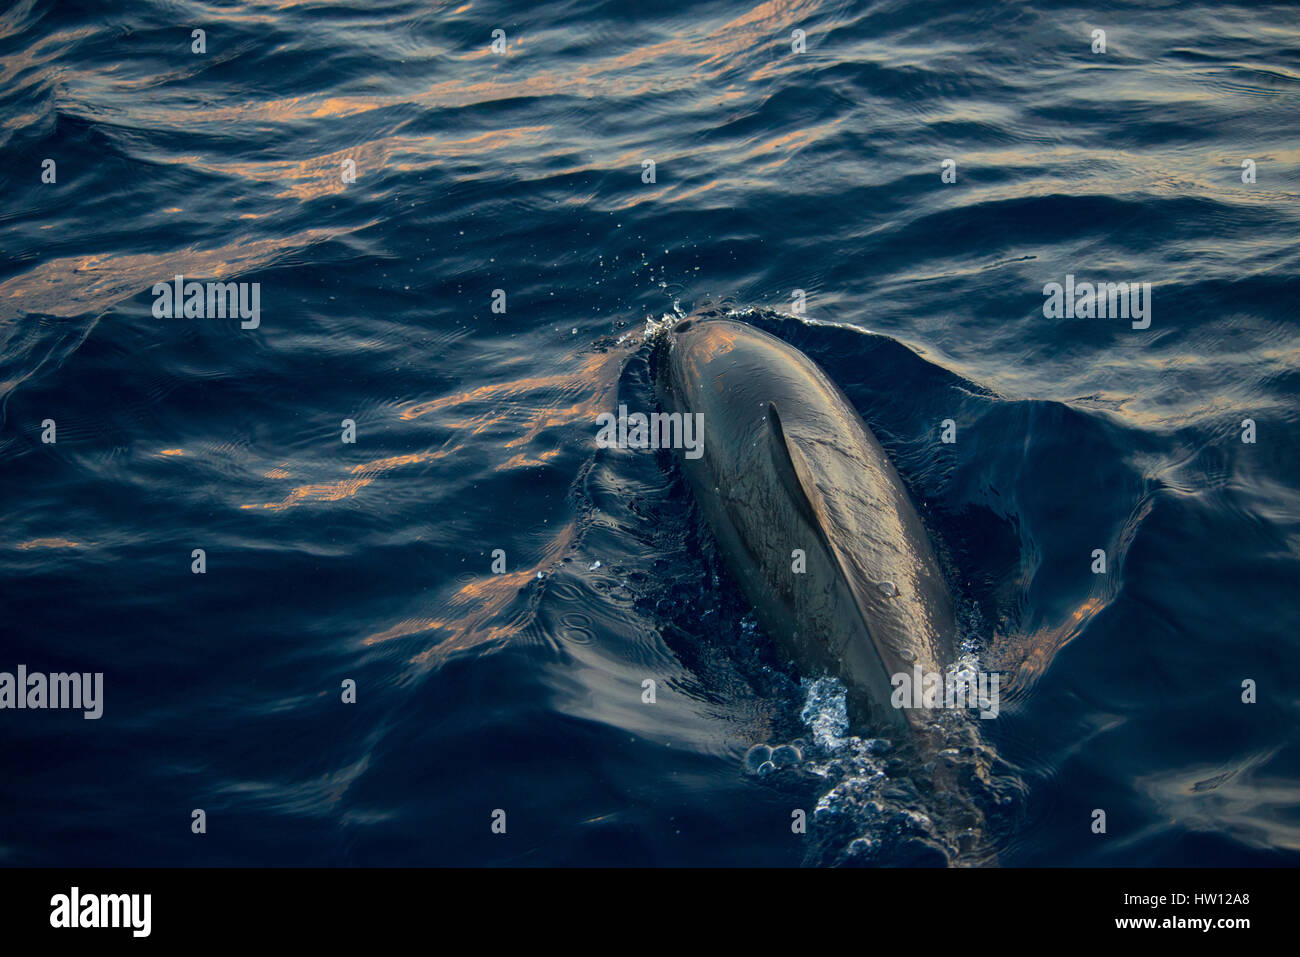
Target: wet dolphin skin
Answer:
[[810, 516]]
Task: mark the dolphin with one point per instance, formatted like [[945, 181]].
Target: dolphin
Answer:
[[788, 466]]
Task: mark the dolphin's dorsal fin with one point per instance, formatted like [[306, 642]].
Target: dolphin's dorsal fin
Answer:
[[796, 474], [788, 464]]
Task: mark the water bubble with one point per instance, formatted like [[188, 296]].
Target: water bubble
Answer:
[[757, 756], [786, 756], [888, 589], [825, 712]]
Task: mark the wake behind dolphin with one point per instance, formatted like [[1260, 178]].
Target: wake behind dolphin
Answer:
[[811, 517]]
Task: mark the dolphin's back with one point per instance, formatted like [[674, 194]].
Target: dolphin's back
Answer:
[[788, 464]]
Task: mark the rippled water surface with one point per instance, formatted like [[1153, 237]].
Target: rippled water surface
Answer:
[[522, 171]]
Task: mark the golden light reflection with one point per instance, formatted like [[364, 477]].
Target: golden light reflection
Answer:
[[485, 601], [49, 543], [321, 175], [1027, 656], [74, 285], [714, 53], [366, 473]]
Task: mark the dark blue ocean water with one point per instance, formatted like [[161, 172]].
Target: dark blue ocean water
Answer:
[[523, 171]]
